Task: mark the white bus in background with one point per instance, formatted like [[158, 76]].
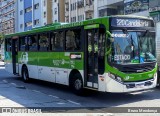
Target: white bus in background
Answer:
[[2, 52]]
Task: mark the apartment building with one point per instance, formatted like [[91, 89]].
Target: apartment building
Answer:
[[78, 10], [154, 9], [58, 10], [108, 7], [32, 14], [7, 16]]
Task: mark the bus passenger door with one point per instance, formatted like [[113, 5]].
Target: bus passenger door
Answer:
[[94, 55], [92, 58], [15, 55]]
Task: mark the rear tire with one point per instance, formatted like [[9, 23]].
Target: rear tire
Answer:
[[25, 74], [77, 84]]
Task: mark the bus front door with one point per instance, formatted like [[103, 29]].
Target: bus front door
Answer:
[[94, 55], [15, 55], [92, 58]]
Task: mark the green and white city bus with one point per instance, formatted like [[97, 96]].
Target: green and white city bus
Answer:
[[108, 54]]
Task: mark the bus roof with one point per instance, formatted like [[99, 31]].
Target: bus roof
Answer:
[[54, 26]]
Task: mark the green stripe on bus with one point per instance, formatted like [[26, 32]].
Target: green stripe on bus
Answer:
[[91, 26]]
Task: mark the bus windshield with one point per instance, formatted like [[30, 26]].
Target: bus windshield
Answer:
[[132, 47]]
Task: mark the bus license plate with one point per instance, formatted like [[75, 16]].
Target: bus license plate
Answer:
[[140, 85]]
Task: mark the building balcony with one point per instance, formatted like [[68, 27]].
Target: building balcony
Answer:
[[67, 13], [67, 8], [89, 8], [6, 4]]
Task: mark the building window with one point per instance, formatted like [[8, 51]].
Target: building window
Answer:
[[28, 9], [21, 26], [73, 19], [36, 6], [44, 2], [28, 24], [21, 12], [44, 14], [71, 7], [55, 0], [36, 22], [55, 11], [55, 21]]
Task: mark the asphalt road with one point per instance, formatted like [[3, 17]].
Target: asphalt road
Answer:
[[15, 93]]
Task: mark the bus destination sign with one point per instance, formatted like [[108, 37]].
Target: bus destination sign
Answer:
[[124, 22]]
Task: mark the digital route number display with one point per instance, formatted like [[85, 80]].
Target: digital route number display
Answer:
[[124, 22]]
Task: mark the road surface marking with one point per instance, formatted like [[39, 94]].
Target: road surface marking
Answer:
[[14, 84], [36, 91], [53, 96], [60, 103], [74, 102], [5, 81], [2, 67]]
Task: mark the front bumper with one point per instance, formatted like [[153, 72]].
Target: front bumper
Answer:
[[117, 87]]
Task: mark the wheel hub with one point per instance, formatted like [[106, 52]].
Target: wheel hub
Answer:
[[78, 84]]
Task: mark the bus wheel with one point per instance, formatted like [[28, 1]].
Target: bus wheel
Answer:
[[77, 84], [25, 74]]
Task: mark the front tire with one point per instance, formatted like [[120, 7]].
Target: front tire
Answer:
[[25, 74], [77, 84]]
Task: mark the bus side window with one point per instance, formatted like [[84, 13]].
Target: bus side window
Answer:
[[44, 42], [52, 38], [58, 41], [24, 43], [32, 42], [72, 41]]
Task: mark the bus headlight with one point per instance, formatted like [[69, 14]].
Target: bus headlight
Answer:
[[119, 79], [155, 75], [111, 75]]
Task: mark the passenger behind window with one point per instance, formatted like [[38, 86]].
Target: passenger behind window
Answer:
[[43, 43], [70, 40], [32, 43], [24, 43], [59, 41]]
